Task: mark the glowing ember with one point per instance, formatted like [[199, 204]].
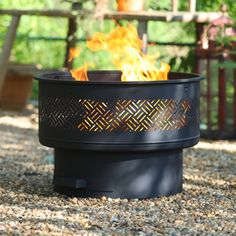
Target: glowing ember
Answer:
[[126, 49]]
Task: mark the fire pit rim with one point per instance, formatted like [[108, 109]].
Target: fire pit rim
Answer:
[[54, 77]]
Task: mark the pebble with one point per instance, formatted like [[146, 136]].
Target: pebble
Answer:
[[28, 205]]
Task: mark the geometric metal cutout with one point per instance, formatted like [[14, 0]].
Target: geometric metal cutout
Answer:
[[134, 115], [127, 115]]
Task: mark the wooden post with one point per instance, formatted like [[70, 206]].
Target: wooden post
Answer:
[[70, 41], [208, 94], [199, 27], [143, 34], [234, 102], [71, 35], [175, 5], [192, 5], [6, 50], [222, 98], [196, 64], [199, 31]]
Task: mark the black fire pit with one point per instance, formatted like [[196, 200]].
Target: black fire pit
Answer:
[[118, 139]]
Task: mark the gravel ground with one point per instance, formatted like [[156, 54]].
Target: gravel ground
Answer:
[[28, 205]]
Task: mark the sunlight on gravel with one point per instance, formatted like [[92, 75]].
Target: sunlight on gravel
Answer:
[[29, 206], [229, 146]]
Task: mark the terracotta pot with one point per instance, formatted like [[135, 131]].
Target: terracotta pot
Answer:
[[17, 87], [130, 5]]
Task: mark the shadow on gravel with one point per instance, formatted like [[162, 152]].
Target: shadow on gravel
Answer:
[[22, 165], [22, 168]]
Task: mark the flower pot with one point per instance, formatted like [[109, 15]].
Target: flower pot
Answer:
[[17, 87], [130, 5]]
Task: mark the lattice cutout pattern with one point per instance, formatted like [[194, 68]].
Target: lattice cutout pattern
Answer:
[[60, 113], [126, 115], [134, 115]]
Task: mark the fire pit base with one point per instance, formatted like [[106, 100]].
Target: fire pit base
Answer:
[[118, 174]]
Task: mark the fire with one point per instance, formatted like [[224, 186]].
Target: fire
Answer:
[[74, 52], [80, 73], [126, 49]]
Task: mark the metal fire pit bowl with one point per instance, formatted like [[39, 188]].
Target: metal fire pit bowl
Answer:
[[118, 139]]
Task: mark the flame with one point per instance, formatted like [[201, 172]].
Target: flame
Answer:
[[126, 49], [80, 73], [74, 52]]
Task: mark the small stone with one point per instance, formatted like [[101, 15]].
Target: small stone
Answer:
[[74, 200], [103, 198], [109, 199], [152, 204], [114, 219], [178, 222]]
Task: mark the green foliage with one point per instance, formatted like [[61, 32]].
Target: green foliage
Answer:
[[159, 5], [227, 65], [50, 54], [202, 5], [226, 42], [25, 51], [186, 63], [209, 5], [26, 4]]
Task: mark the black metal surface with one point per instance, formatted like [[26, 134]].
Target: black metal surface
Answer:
[[118, 174], [118, 139], [67, 106], [112, 77]]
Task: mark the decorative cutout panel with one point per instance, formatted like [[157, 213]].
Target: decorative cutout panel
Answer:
[[132, 115]]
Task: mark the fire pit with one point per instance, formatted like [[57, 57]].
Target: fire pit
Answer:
[[118, 139]]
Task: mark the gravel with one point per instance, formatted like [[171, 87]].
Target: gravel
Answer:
[[28, 205]]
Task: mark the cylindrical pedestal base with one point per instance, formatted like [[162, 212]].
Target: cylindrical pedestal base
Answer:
[[118, 174]]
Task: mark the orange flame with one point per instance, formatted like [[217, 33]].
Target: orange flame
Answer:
[[74, 52], [80, 73], [126, 49]]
